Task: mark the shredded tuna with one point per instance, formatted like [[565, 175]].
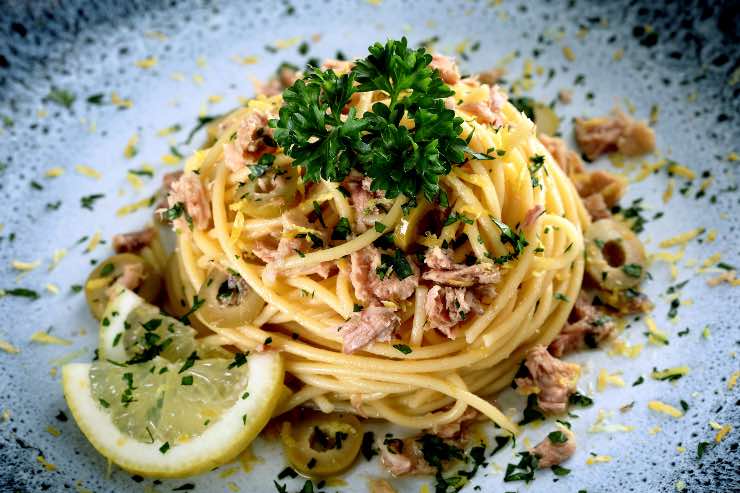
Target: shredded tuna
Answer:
[[488, 112], [553, 379], [727, 276], [458, 429], [369, 205], [278, 246], [444, 271], [338, 66], [446, 307], [381, 486], [587, 327], [610, 186], [248, 143], [533, 214], [286, 77], [188, 190], [134, 241], [492, 76], [374, 323], [619, 132], [402, 457], [568, 160], [596, 207], [551, 454], [131, 277], [447, 68], [167, 180], [369, 288], [565, 96]]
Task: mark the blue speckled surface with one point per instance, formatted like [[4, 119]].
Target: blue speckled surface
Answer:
[[90, 48]]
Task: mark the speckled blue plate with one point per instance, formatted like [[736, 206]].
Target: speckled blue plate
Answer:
[[71, 93]]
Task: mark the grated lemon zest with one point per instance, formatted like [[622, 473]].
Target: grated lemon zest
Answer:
[[722, 433], [682, 238], [44, 338], [598, 459], [130, 150], [116, 100], [711, 235], [682, 171], [246, 60], [662, 407], [605, 379], [670, 372], [281, 44], [93, 243], [88, 171], [198, 79], [47, 465], [215, 99], [54, 172], [668, 191], [52, 288], [53, 431], [146, 63], [25, 266], [712, 260], [170, 159], [135, 181], [57, 257], [655, 430], [8, 347], [732, 381], [622, 348], [128, 209], [568, 53]]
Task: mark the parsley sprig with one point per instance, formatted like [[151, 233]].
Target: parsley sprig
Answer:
[[315, 132]]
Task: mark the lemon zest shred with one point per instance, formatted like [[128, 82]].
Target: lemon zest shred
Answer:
[[664, 408], [606, 379], [43, 338], [170, 159], [598, 459], [128, 209], [732, 381], [670, 372], [722, 433], [88, 171], [682, 171], [52, 288], [117, 100], [568, 53], [146, 63], [8, 347], [54, 172], [25, 266], [53, 431], [668, 191], [130, 150], [57, 257], [47, 465], [93, 243], [682, 238]]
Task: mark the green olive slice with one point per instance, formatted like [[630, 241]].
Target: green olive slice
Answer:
[[228, 300], [126, 269], [615, 257], [322, 445]]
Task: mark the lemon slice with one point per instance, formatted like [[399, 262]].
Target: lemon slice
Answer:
[[173, 419], [132, 330]]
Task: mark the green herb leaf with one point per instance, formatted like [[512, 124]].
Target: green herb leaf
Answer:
[[342, 229], [403, 348]]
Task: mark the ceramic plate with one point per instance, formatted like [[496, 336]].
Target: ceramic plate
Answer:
[[75, 87]]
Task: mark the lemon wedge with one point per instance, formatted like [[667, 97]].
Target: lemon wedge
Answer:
[[166, 430], [160, 403]]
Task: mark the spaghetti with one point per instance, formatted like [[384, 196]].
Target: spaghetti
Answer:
[[421, 377]]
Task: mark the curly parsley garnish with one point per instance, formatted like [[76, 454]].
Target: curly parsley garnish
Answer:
[[314, 131]]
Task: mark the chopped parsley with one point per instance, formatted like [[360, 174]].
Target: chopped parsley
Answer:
[[559, 470], [62, 97], [239, 360], [537, 163], [402, 348], [163, 449], [341, 230], [580, 400], [455, 217], [264, 163], [531, 412], [21, 293], [523, 470], [557, 437], [632, 270], [197, 303], [88, 201], [396, 263], [187, 380], [701, 448], [400, 160], [189, 362]]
